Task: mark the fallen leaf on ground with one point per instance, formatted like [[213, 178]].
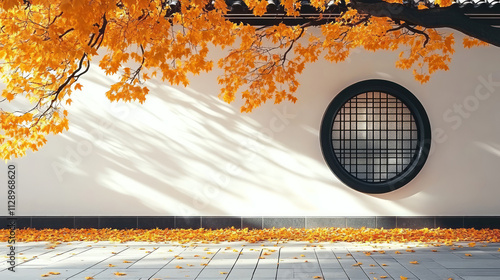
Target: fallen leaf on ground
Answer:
[[414, 262], [468, 255], [120, 273]]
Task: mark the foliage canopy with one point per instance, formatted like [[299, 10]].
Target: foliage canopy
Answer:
[[47, 45]]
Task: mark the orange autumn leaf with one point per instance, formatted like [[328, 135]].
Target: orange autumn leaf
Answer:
[[89, 278], [126, 261], [54, 273], [357, 264], [317, 277], [414, 262], [178, 267], [403, 278], [119, 274], [468, 255], [383, 276], [45, 275], [111, 265], [472, 244]]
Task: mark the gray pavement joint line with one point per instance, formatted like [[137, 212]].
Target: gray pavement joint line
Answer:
[[278, 264], [381, 266], [409, 269], [362, 269], [319, 264], [208, 263], [337, 258], [185, 248], [96, 263], [33, 258], [237, 258], [71, 255], [257, 264], [112, 255], [154, 249], [17, 253], [405, 269]]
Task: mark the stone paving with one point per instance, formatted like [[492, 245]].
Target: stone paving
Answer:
[[257, 261]]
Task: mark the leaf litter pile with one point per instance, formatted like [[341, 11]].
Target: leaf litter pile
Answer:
[[256, 235]]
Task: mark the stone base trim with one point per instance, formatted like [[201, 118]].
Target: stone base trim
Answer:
[[216, 222]]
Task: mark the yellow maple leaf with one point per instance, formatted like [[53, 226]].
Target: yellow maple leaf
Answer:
[[78, 86]]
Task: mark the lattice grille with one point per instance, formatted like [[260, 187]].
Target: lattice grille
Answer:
[[374, 136]]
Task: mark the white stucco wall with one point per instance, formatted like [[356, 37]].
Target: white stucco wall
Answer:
[[185, 152]]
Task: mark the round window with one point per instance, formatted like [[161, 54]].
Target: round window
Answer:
[[375, 136]]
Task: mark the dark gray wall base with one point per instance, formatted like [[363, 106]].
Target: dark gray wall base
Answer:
[[142, 222]]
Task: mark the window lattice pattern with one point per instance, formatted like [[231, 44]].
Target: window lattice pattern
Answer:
[[374, 136]]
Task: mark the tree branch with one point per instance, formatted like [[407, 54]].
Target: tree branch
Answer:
[[451, 17]]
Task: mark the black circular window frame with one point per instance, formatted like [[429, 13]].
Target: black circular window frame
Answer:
[[419, 117]]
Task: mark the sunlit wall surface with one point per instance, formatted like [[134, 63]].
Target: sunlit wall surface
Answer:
[[184, 152]]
